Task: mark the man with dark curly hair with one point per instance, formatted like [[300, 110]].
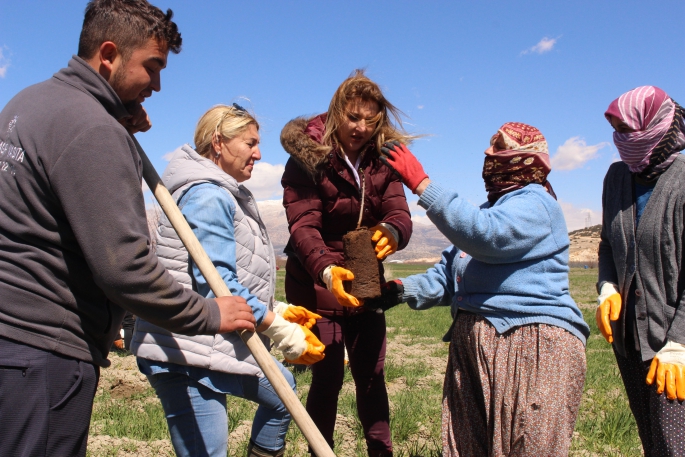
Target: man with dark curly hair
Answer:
[[75, 251]]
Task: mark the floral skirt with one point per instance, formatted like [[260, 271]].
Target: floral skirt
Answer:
[[511, 394]]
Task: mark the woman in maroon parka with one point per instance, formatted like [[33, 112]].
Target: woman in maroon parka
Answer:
[[333, 163]]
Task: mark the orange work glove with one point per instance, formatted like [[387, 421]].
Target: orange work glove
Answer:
[[385, 237], [314, 351], [333, 276], [296, 314], [608, 309], [668, 368]]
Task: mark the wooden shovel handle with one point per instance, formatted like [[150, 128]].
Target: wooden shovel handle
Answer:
[[220, 289]]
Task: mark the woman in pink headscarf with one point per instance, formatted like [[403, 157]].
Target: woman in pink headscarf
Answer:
[[641, 286]]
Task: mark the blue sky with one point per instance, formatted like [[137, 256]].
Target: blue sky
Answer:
[[457, 69]]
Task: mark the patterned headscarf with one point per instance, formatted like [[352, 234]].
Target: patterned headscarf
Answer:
[[658, 127], [525, 160]]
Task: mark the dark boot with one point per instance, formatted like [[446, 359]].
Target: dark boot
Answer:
[[255, 451], [379, 453]]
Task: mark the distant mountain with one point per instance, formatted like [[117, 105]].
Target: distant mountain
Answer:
[[425, 245]]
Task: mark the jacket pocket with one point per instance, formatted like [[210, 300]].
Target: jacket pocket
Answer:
[[13, 367], [74, 388], [13, 364]]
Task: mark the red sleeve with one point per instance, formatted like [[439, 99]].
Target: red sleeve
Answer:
[[303, 208]]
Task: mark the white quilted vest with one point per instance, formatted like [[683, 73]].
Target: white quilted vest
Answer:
[[256, 269]]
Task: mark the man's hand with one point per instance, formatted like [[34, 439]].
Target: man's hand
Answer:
[[400, 159], [138, 121], [333, 276], [668, 369], [385, 239], [236, 314], [608, 309]]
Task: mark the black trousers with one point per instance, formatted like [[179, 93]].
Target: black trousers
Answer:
[[660, 421], [46, 401]]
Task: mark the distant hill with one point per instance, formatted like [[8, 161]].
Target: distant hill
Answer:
[[595, 230]]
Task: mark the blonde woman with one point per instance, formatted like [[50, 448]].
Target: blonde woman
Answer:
[[333, 172], [193, 375]]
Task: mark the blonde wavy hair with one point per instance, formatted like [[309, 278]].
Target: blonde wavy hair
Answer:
[[358, 85], [221, 122]]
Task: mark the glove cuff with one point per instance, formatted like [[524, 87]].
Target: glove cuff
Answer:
[[393, 231], [608, 289], [327, 276], [280, 307], [288, 337], [673, 346]]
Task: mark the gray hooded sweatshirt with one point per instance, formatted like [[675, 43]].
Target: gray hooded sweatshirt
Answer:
[[75, 250]]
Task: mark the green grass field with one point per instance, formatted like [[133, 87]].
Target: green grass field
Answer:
[[128, 420]]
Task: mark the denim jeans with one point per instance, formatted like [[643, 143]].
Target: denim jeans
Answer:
[[195, 409]]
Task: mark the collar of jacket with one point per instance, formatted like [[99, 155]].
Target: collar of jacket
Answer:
[[187, 167], [301, 139], [80, 75]]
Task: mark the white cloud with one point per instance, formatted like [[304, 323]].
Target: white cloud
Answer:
[[265, 182], [418, 214], [543, 46], [4, 62], [420, 106], [578, 218], [420, 220], [168, 155], [574, 153]]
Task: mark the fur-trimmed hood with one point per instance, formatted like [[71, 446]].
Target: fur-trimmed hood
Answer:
[[301, 138]]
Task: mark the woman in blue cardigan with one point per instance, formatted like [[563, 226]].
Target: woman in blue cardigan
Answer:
[[516, 364]]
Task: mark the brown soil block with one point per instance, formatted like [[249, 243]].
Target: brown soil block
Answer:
[[360, 259]]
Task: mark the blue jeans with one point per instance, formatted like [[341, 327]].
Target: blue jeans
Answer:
[[196, 413]]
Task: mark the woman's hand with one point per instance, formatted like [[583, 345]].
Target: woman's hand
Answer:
[[391, 295], [296, 314], [668, 370], [608, 309], [385, 239], [298, 344], [400, 159], [333, 276]]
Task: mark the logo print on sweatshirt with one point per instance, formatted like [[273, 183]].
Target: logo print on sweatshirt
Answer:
[[10, 127], [8, 151]]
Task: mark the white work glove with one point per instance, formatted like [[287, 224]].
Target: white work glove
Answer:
[[298, 344], [608, 309], [668, 368]]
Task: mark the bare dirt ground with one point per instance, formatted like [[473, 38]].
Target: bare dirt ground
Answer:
[[584, 248]]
